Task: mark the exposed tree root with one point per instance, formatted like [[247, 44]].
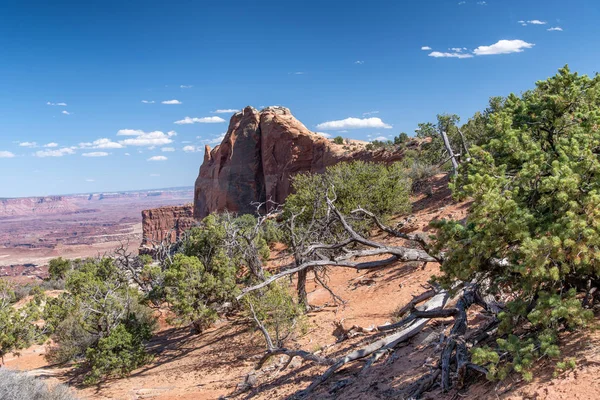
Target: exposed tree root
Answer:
[[294, 353], [388, 342]]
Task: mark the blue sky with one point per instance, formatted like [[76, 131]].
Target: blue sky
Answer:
[[326, 60]]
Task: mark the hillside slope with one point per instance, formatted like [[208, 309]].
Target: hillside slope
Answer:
[[221, 361]]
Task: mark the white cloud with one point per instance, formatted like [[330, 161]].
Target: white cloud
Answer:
[[215, 140], [503, 47], [296, 73], [189, 149], [90, 180], [54, 153], [425, 48], [56, 104], [102, 143], [171, 102], [158, 158], [65, 112], [28, 144], [154, 175], [6, 154], [146, 139], [381, 138], [51, 144], [536, 22], [167, 149], [95, 154], [354, 123], [370, 113], [359, 62], [456, 49], [186, 86], [482, 3], [460, 3], [127, 154], [555, 28], [203, 120], [225, 111], [438, 54], [129, 132], [148, 101], [324, 134]]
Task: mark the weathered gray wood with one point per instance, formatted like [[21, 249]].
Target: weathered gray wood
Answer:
[[437, 302]]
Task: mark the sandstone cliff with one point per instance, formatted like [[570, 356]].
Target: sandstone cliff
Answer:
[[259, 154], [158, 223]]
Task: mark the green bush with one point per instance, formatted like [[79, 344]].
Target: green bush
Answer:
[[88, 320], [193, 289], [535, 191], [277, 310], [401, 138], [117, 354], [17, 330], [383, 190], [58, 268], [338, 140]]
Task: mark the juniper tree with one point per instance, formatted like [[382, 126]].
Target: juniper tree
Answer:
[[535, 190]]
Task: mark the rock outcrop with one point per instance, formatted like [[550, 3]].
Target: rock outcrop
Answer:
[[260, 153], [164, 223]]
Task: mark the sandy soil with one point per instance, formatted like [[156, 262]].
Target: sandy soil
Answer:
[[213, 364]]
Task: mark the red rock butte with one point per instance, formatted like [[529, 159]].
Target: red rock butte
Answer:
[[260, 153]]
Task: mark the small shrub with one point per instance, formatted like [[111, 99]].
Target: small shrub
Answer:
[[99, 319], [17, 330], [58, 268], [15, 385], [419, 173], [401, 138], [193, 289], [338, 140], [277, 311], [117, 354]]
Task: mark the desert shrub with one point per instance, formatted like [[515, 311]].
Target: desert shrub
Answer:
[[401, 138], [535, 188], [277, 311], [383, 190], [338, 140], [58, 268], [194, 289], [419, 173], [89, 318], [52, 284], [15, 385], [17, 330], [71, 341], [120, 352]]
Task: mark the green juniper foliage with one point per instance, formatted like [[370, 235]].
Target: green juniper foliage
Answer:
[[99, 319], [383, 190], [535, 188], [17, 330]]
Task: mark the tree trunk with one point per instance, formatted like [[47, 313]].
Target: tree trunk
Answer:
[[301, 287], [450, 152]]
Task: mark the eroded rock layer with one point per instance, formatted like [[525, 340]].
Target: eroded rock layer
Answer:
[[166, 223]]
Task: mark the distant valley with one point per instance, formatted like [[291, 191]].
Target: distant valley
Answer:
[[34, 230]]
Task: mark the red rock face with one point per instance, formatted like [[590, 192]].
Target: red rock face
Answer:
[[260, 153], [158, 223]]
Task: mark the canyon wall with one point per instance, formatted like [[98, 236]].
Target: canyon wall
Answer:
[[163, 223]]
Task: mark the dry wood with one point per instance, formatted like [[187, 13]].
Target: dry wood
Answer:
[[388, 342]]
